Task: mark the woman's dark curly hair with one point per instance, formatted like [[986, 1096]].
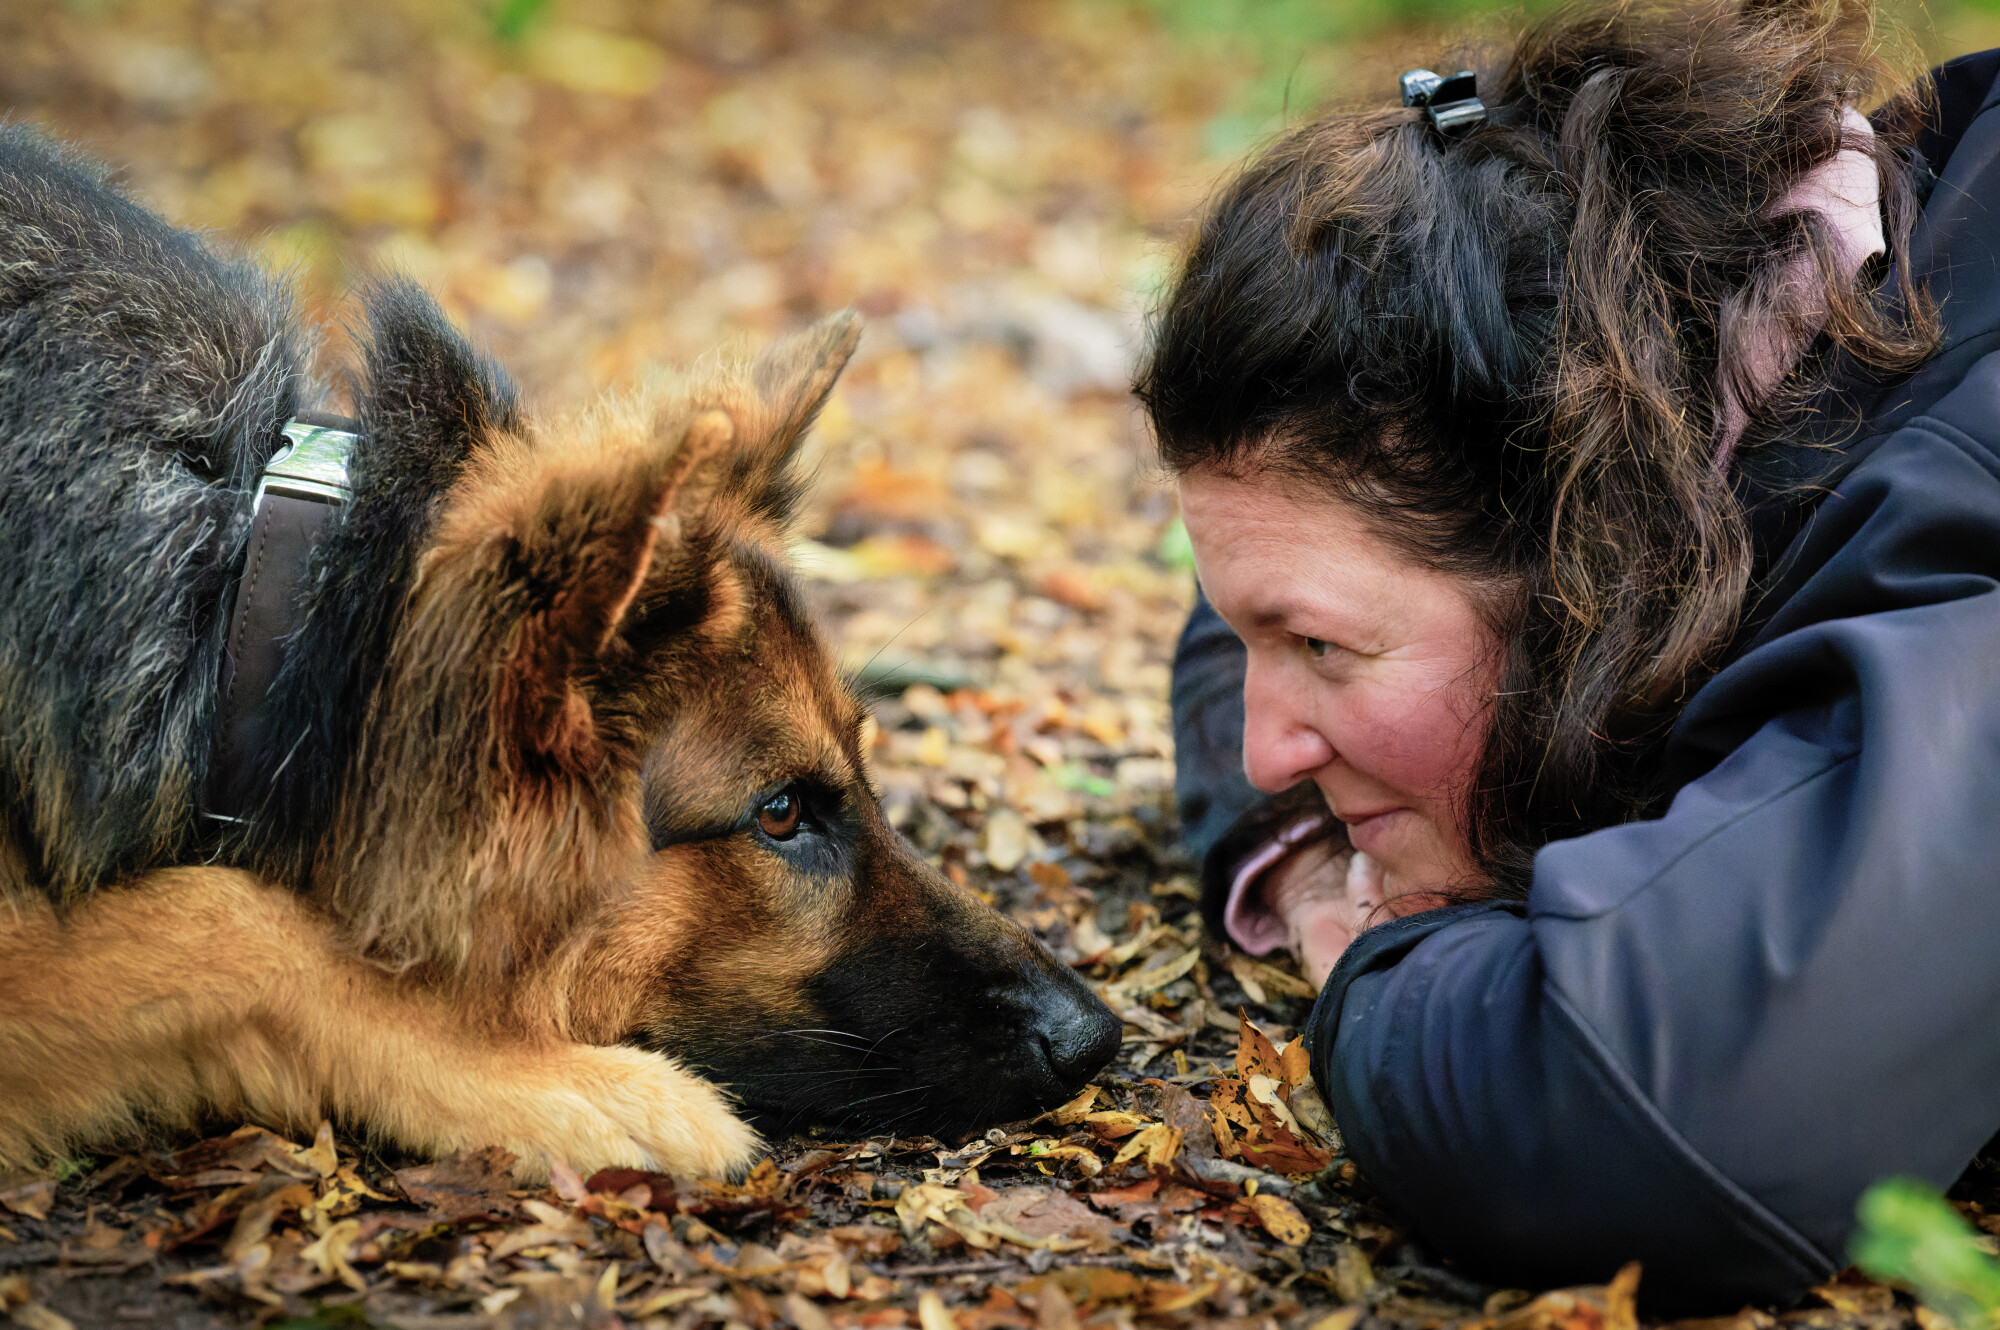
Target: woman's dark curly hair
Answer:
[[1505, 346]]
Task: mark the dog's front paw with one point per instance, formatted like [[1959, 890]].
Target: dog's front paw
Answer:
[[680, 1123], [603, 1107]]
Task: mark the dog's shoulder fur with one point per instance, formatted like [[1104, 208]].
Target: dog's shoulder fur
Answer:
[[142, 385], [129, 349]]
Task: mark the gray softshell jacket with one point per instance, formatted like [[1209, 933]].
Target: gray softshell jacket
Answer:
[[1704, 1035]]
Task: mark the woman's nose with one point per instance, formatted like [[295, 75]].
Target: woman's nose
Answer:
[[1279, 748]]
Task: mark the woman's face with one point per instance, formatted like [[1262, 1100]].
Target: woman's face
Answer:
[[1369, 675]]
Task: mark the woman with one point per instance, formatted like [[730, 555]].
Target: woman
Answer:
[[1604, 495]]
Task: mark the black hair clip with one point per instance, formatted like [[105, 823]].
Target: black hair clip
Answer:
[[1449, 103]]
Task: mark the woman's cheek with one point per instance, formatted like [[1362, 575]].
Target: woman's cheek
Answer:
[[1387, 743], [1423, 740]]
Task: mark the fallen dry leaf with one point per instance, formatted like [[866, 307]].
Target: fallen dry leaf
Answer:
[[32, 1199], [1076, 1109], [464, 1186], [1280, 1218], [1046, 1212]]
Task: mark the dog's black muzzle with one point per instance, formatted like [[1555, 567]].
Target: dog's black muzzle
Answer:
[[1068, 1034], [941, 1037]]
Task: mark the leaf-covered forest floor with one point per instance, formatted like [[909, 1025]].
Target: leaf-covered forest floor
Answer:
[[600, 187]]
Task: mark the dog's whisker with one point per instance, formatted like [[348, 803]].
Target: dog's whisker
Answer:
[[886, 1094], [891, 642], [879, 1042], [815, 1029], [811, 1039], [832, 1077]]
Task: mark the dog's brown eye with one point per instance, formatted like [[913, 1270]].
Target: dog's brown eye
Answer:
[[779, 817]]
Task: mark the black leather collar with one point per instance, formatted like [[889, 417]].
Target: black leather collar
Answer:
[[303, 489]]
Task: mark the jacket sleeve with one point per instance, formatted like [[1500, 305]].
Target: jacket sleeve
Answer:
[[1706, 1034], [1209, 785]]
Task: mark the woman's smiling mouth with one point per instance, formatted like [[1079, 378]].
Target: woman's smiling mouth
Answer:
[[1366, 830]]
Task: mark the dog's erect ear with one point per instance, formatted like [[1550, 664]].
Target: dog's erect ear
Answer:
[[796, 375], [581, 556], [424, 389], [793, 378]]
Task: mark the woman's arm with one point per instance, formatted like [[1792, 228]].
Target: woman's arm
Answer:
[[1209, 785]]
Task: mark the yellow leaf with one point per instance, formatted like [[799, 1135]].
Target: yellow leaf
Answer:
[[1343, 1318], [1158, 1144], [341, 1194], [1169, 1297], [1264, 1090], [320, 1156], [1137, 943], [1246, 975], [1621, 1299], [1076, 1108], [1114, 1126], [1256, 1055], [330, 1253], [1225, 1139], [931, 1313], [586, 60], [1281, 1219], [1085, 1160], [1296, 1059], [1121, 993], [670, 1299], [1353, 1276]]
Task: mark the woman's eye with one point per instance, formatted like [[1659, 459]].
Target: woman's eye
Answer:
[[1316, 647], [779, 815]]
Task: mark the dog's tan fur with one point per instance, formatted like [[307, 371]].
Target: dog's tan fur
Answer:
[[283, 1025]]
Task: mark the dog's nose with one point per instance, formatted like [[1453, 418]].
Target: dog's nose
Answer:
[[1077, 1032]]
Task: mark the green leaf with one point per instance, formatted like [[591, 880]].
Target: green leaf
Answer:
[[513, 18], [1175, 550], [347, 1316], [67, 1170], [1911, 1235], [1076, 776]]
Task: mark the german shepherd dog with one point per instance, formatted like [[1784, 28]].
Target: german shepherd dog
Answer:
[[558, 834]]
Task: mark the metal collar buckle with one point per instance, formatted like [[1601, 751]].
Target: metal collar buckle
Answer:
[[312, 465]]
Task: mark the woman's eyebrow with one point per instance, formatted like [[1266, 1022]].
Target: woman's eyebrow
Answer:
[[1270, 616]]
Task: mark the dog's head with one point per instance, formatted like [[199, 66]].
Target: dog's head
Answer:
[[609, 747]]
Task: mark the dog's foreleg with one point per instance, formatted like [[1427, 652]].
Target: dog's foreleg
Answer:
[[204, 991]]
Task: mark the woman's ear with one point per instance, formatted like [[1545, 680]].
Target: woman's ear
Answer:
[[1768, 324]]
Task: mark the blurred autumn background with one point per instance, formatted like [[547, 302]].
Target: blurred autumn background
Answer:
[[596, 188]]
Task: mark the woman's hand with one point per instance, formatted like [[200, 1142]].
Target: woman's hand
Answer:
[[1325, 893]]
